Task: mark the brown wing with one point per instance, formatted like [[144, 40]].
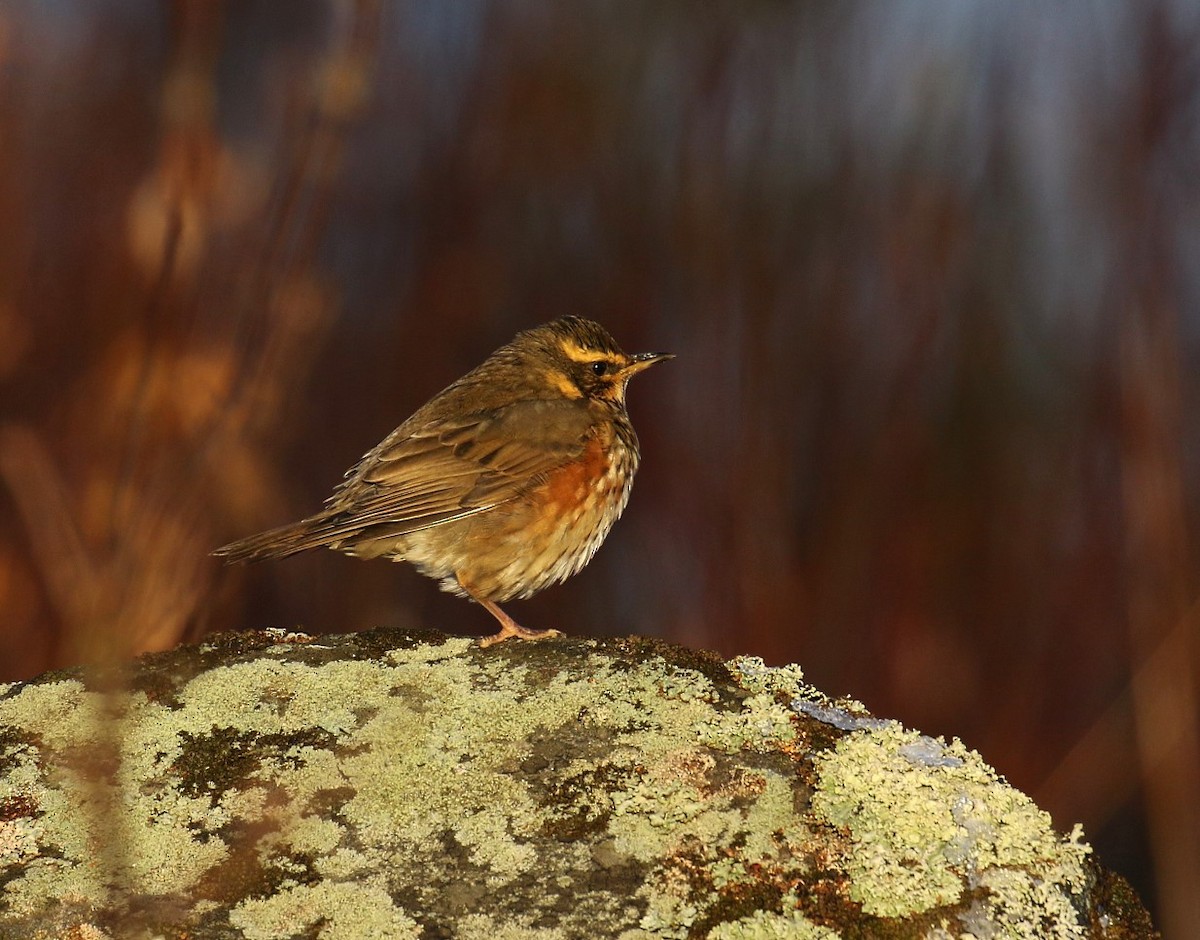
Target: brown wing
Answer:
[[457, 467], [429, 472]]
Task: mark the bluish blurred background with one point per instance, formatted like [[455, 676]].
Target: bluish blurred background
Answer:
[[931, 270]]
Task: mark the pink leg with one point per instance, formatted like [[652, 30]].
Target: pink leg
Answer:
[[509, 627]]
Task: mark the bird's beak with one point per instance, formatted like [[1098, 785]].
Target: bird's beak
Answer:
[[642, 361]]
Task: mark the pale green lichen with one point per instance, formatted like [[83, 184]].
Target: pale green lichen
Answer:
[[18, 840], [325, 798], [686, 685], [343, 911], [765, 925], [482, 927], [667, 914], [754, 675], [458, 763], [918, 837], [762, 724], [418, 765], [1021, 906]]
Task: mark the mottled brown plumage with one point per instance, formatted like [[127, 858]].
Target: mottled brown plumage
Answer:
[[500, 485]]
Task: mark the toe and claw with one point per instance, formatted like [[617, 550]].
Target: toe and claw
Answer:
[[509, 628]]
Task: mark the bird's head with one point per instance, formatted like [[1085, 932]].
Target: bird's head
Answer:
[[579, 359]]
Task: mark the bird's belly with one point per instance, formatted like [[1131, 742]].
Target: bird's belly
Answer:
[[529, 543]]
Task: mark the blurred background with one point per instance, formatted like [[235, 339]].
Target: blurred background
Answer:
[[931, 270]]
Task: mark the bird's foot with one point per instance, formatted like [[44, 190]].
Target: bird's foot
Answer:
[[508, 626], [511, 629]]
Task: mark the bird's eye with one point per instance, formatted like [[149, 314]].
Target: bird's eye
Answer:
[[599, 368]]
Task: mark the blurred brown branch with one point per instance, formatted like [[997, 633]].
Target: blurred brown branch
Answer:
[[121, 541], [1162, 583], [1161, 618]]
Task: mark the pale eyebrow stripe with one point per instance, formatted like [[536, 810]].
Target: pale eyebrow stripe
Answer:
[[578, 353]]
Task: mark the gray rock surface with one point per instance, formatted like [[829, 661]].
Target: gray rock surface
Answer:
[[391, 785]]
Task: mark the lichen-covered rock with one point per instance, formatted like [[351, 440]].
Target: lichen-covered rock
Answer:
[[388, 785]]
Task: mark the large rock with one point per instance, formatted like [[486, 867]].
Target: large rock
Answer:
[[390, 785]]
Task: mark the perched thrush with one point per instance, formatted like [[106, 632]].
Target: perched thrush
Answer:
[[500, 485]]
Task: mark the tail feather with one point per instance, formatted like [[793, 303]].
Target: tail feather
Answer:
[[280, 542]]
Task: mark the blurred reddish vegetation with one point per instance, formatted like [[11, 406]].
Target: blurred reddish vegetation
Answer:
[[930, 271]]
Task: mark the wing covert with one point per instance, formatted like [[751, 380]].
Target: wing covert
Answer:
[[460, 467]]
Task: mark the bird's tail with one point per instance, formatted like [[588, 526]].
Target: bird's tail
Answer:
[[286, 540]]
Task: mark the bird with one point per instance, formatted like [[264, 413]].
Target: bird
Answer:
[[502, 484]]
